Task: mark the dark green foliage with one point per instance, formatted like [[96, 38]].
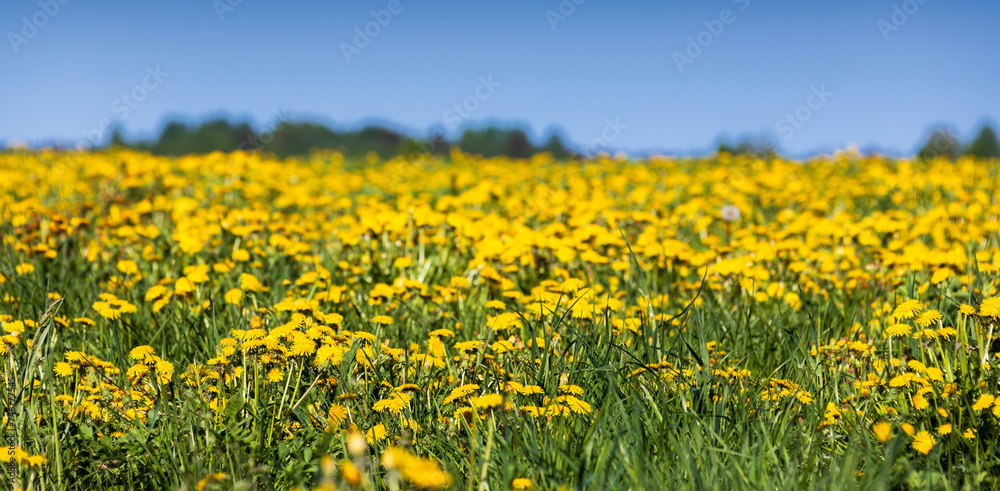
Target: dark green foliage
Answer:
[[300, 138], [985, 145], [762, 149], [941, 143]]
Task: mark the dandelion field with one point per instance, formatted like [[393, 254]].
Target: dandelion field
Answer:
[[231, 321]]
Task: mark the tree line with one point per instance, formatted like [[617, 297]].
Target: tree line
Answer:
[[944, 143], [300, 138], [289, 139]]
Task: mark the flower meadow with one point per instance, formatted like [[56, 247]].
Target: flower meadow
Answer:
[[234, 321]]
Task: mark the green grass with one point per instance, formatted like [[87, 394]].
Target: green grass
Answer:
[[697, 430]]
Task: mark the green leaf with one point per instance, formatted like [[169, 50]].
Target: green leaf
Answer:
[[348, 359], [233, 407], [137, 435]]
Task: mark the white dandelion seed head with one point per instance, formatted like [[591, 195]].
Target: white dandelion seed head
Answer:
[[730, 213]]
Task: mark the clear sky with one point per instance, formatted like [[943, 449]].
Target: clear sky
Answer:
[[623, 74]]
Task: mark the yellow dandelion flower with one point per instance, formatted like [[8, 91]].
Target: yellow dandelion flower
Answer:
[[907, 310], [947, 332], [350, 473], [393, 404], [898, 330], [460, 392], [234, 296], [141, 353], [36, 461], [901, 380], [63, 369], [274, 375], [377, 433], [883, 431], [466, 346], [521, 483], [336, 415], [154, 292], [504, 321], [502, 346], [990, 307], [941, 275], [528, 390], [486, 401], [571, 389], [12, 327], [250, 283], [164, 368], [928, 318], [425, 474], [128, 267], [984, 401], [137, 371], [923, 442], [496, 305], [367, 336], [183, 286], [576, 405]]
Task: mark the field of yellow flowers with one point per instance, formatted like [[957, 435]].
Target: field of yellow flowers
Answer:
[[232, 321]]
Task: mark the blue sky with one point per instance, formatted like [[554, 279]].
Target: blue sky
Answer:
[[813, 75]]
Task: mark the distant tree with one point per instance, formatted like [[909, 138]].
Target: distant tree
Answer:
[[493, 142], [212, 136], [244, 136], [382, 141], [299, 138], [411, 148], [761, 149], [555, 146], [985, 145], [117, 140], [489, 142], [172, 140], [518, 145], [435, 144], [941, 143]]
